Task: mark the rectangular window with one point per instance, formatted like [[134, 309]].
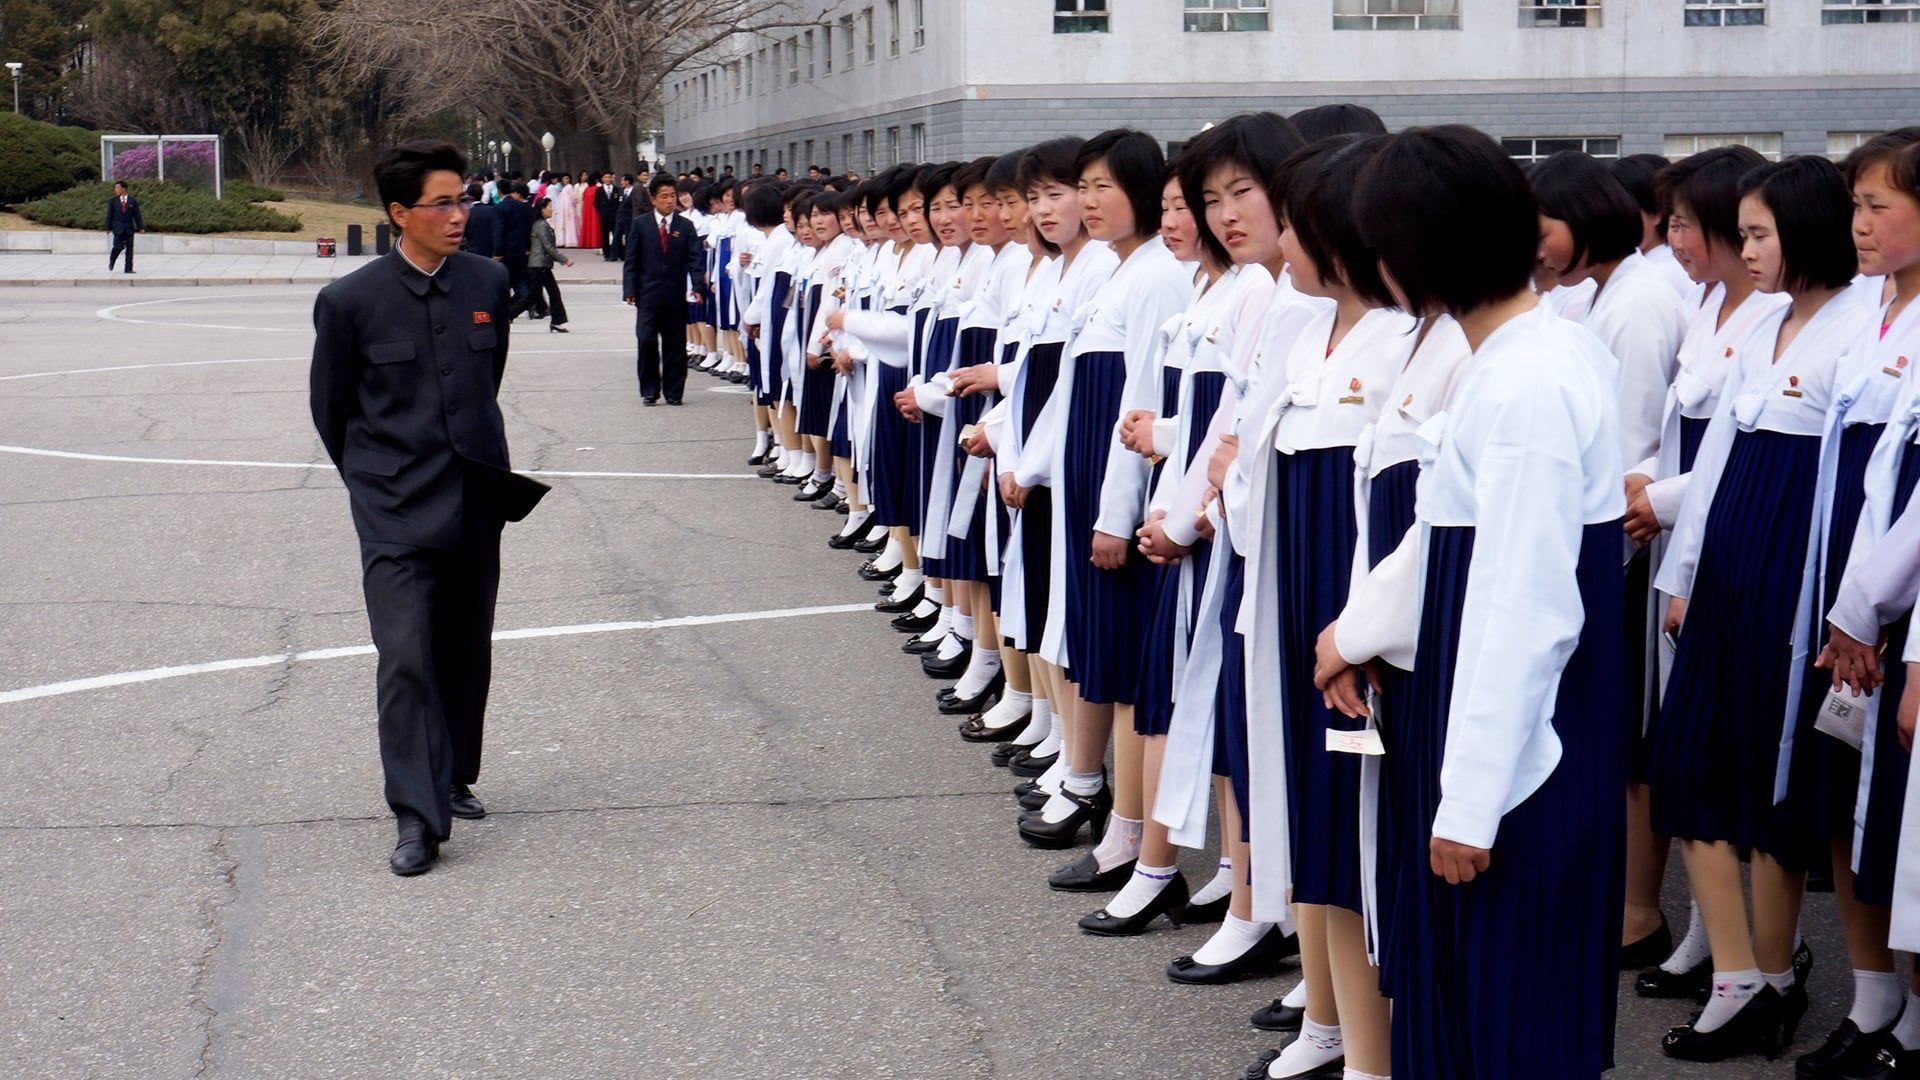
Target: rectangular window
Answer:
[[750, 74], [1834, 12], [739, 86], [919, 135], [1531, 148], [1080, 16], [866, 141], [826, 49], [846, 39], [867, 17], [1202, 16], [1535, 13], [810, 160], [846, 152], [919, 23], [793, 61], [809, 51], [1396, 14], [1726, 13], [1842, 143], [1679, 146], [893, 145], [893, 27]]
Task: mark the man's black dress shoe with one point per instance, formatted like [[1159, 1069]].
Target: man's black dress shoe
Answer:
[[675, 401], [414, 853], [1084, 874], [1212, 911], [1649, 950], [950, 668], [873, 544], [1090, 810], [1754, 1029], [1278, 1016], [909, 623], [958, 706], [1658, 982], [464, 805], [1170, 901], [1262, 960], [649, 401], [904, 604], [1029, 765]]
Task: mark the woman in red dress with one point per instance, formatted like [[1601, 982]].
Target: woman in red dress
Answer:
[[589, 218]]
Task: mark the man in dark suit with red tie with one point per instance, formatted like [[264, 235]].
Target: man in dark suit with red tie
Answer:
[[123, 220], [664, 262]]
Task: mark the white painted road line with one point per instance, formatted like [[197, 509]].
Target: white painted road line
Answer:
[[327, 466], [181, 671]]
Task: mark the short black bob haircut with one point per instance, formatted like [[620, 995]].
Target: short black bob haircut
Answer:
[[1813, 218], [401, 173], [936, 177], [1707, 185], [1053, 161], [1342, 118], [1134, 159], [763, 206], [1004, 175], [1893, 149], [1259, 142], [1451, 217], [1319, 210], [899, 181], [1572, 187], [1635, 173], [972, 175]]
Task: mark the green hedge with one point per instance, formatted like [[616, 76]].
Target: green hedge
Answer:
[[165, 207], [39, 159]]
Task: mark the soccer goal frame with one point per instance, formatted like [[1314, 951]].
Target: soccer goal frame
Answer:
[[112, 146]]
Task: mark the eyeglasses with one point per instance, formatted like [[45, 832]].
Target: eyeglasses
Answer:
[[462, 205]]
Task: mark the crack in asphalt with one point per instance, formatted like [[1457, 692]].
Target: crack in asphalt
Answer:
[[211, 911]]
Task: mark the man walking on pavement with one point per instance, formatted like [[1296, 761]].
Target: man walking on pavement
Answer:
[[123, 220]]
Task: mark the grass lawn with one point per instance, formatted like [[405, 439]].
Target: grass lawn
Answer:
[[318, 217]]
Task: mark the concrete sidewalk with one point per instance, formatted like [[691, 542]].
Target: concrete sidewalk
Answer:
[[226, 268]]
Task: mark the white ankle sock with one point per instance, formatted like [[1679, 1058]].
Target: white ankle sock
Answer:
[[1296, 998], [1692, 949], [981, 668], [1218, 886], [1120, 845], [1356, 1074], [1145, 884], [1731, 991], [1317, 1045], [936, 593], [925, 609], [1781, 981], [904, 584], [1050, 746], [856, 520], [1877, 996], [1008, 710], [1056, 773], [887, 560], [1235, 936], [1039, 727], [963, 624], [1058, 807], [1084, 784], [821, 476], [1907, 1029], [761, 440]]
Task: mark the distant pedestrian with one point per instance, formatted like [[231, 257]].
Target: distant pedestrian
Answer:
[[512, 231], [123, 220], [542, 253]]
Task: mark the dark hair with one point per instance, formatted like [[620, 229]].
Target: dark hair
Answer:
[[1004, 174], [1813, 218], [541, 204], [1319, 210], [123, 183], [1709, 184], [1135, 160], [899, 180], [401, 173], [476, 192], [972, 175], [934, 177], [1635, 173], [1341, 118], [1258, 142], [1055, 160], [762, 206], [661, 181], [1450, 216], [874, 191], [1895, 150], [1574, 188]]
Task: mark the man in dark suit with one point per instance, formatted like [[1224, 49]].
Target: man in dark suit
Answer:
[[663, 257], [606, 203], [407, 363], [482, 219], [622, 218], [512, 234], [123, 220]]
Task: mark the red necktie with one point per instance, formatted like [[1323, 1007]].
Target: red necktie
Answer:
[[663, 234]]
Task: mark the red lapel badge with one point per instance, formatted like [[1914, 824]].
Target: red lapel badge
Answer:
[[482, 318]]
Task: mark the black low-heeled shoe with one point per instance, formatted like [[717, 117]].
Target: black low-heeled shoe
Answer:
[[1258, 962], [769, 470], [1332, 1070], [909, 623], [1084, 874], [832, 500], [810, 491], [1034, 800], [1170, 901], [1755, 1029], [1881, 1057], [872, 545], [1089, 810], [974, 729], [999, 756], [791, 481], [1845, 1046], [1212, 911], [843, 541], [1658, 982], [904, 604], [1802, 964], [758, 459], [1032, 765], [921, 644], [950, 668], [980, 702], [869, 573], [1649, 950], [1278, 1016]]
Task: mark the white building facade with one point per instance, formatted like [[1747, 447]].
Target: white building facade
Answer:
[[876, 82]]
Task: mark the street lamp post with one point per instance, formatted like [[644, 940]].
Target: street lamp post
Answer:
[[506, 149], [14, 67], [546, 143], [493, 152]]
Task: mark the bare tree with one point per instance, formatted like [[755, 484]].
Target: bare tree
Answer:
[[578, 67]]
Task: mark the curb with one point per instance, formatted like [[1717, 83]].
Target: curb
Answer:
[[140, 281]]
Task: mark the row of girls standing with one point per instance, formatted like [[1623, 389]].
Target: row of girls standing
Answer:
[[1295, 446]]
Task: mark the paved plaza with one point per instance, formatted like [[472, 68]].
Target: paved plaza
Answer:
[[729, 836]]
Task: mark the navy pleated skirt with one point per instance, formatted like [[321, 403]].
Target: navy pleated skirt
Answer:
[[895, 460], [1824, 781], [1692, 430], [966, 559], [1153, 706], [816, 402], [1313, 567], [1036, 520], [776, 325], [1716, 742], [1104, 607], [754, 370], [1887, 787], [936, 358], [1514, 973], [1230, 754], [723, 291], [840, 440], [1390, 507]]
